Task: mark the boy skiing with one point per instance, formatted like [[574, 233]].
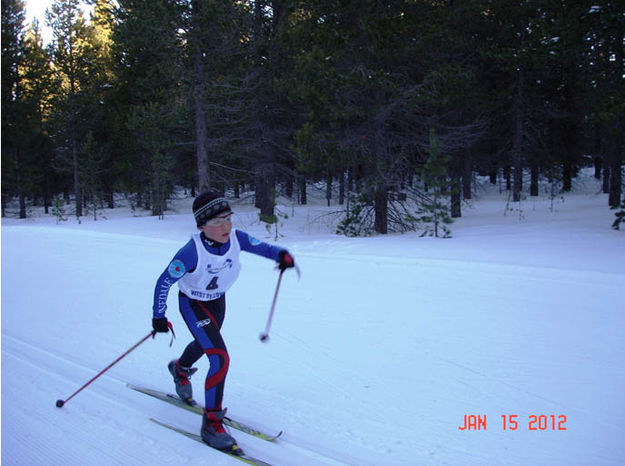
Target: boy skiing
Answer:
[[205, 268]]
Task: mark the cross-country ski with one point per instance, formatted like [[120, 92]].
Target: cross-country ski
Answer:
[[236, 452], [197, 409]]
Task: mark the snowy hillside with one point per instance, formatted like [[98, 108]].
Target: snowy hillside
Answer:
[[376, 355]]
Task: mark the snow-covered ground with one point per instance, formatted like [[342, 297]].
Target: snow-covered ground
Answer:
[[376, 354]]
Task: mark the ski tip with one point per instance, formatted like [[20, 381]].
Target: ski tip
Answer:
[[272, 438]]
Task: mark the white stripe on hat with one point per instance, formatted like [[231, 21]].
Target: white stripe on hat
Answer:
[[211, 204]]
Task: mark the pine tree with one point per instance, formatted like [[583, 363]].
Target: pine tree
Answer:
[[91, 174], [620, 216], [149, 51], [25, 105], [270, 125], [71, 66], [12, 25], [36, 93], [433, 212], [606, 94], [102, 83], [217, 60]]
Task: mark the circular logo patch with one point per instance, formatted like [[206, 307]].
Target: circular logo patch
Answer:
[[176, 268]]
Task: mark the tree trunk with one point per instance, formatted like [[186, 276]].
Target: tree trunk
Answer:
[[329, 188], [467, 176], [201, 130], [22, 199], [110, 199], [47, 201], [76, 168], [517, 149], [615, 185], [534, 179], [301, 182], [381, 210], [455, 197], [201, 134], [615, 157], [493, 177], [342, 188], [519, 128], [598, 164], [567, 176], [605, 182], [507, 175], [265, 194]]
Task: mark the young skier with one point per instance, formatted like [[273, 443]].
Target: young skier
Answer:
[[205, 268]]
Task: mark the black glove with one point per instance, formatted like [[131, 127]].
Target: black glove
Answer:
[[285, 260], [160, 325]]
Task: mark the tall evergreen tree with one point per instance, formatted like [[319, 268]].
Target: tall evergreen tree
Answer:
[[311, 85], [149, 56], [434, 213], [72, 62], [26, 150], [512, 55], [605, 68], [269, 124], [102, 82], [12, 118], [219, 98], [36, 92]]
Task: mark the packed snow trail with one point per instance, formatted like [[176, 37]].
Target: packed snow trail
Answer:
[[375, 357], [27, 357]]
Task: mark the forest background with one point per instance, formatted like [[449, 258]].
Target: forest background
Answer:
[[393, 107]]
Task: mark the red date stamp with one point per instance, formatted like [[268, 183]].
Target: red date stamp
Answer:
[[537, 422]]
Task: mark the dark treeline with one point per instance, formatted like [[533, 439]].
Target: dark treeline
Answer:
[[393, 106]]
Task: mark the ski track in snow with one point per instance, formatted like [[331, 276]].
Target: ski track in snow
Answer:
[[376, 354], [30, 357]]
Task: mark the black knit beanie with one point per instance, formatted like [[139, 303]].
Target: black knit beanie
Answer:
[[208, 205]]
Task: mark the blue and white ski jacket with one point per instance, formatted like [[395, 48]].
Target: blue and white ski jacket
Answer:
[[186, 261]]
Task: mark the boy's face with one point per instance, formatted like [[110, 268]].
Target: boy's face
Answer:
[[218, 228]]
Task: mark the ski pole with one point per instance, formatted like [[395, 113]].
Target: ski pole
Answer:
[[264, 336], [60, 403]]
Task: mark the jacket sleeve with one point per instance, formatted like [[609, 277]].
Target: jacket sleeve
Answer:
[[250, 244], [183, 262]]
